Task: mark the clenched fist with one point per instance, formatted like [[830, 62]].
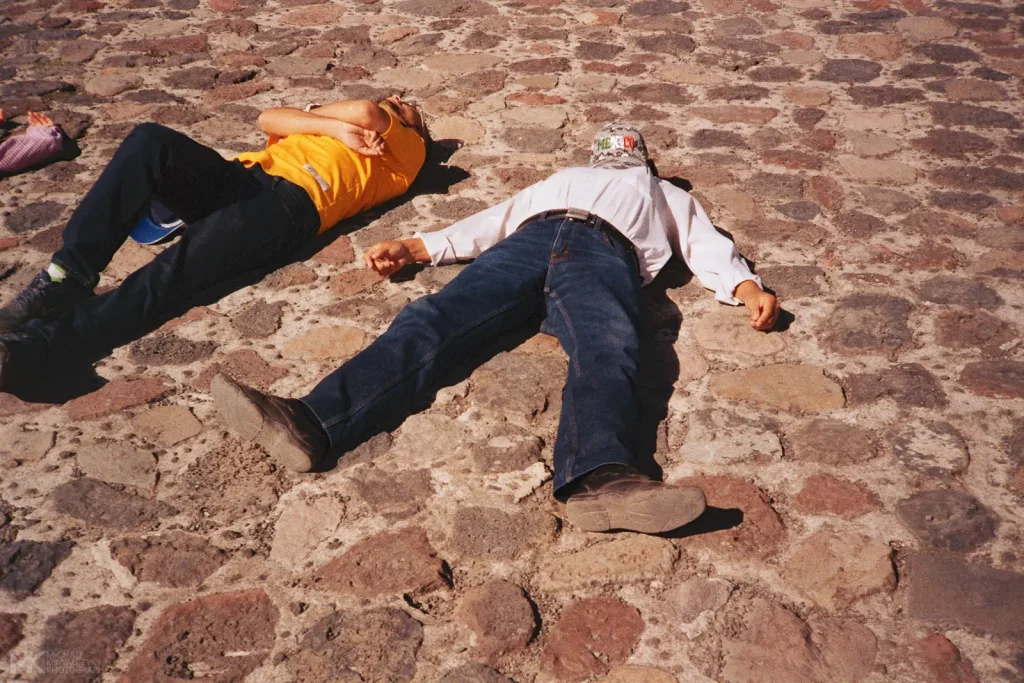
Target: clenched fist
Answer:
[[387, 258], [763, 307]]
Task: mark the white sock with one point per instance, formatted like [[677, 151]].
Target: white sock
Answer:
[[55, 272]]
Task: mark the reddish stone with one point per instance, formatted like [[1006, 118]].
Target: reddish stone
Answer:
[[824, 494], [225, 5], [777, 645], [348, 646], [535, 98], [164, 47], [115, 396], [174, 559], [501, 616], [592, 636], [544, 65], [826, 191], [759, 534], [338, 253], [235, 92], [238, 60], [8, 243], [995, 378], [386, 564], [932, 256], [908, 384], [11, 631], [290, 276], [791, 159], [735, 113], [943, 661], [792, 40], [352, 282], [831, 442], [90, 638], [12, 405], [246, 366], [631, 69], [821, 140], [227, 633]]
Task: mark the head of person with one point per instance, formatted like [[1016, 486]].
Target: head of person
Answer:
[[619, 145], [407, 115]]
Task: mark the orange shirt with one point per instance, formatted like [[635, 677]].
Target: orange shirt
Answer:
[[342, 182]]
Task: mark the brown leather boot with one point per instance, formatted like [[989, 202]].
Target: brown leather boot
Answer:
[[283, 427], [622, 498]]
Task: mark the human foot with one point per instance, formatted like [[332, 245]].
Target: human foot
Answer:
[[283, 427], [44, 298], [619, 497]]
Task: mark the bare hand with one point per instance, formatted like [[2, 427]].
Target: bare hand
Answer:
[[388, 257], [367, 142], [37, 119], [764, 311]]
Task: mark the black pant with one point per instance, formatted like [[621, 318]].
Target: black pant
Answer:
[[242, 222]]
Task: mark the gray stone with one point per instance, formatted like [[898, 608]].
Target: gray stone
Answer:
[[935, 449], [831, 442], [949, 289], [24, 565], [349, 647], [81, 646], [948, 520], [952, 591], [96, 502], [867, 323], [794, 282], [908, 384], [849, 71], [490, 533], [537, 140], [118, 463]]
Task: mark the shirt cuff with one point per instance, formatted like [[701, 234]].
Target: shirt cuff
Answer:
[[440, 249], [729, 282]]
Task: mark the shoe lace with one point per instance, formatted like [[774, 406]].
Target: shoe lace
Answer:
[[35, 289]]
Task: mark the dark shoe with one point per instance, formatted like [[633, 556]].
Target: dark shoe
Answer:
[[619, 497], [5, 365], [42, 299], [283, 427]]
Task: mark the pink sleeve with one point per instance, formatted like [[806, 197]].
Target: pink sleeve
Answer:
[[39, 144]]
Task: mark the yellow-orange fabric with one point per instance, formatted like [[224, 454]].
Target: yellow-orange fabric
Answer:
[[342, 182]]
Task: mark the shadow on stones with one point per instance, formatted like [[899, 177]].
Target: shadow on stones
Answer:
[[59, 384], [713, 519], [456, 372]]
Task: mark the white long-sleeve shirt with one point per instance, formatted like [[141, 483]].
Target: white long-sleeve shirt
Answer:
[[657, 217]]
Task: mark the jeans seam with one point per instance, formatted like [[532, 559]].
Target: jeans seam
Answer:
[[415, 368], [575, 364]]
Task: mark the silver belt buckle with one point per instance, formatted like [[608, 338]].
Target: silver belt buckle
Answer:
[[577, 214]]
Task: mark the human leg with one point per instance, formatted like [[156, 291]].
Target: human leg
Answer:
[[499, 291], [216, 253], [153, 161], [594, 307]]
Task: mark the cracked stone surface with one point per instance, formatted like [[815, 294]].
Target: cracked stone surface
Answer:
[[864, 462]]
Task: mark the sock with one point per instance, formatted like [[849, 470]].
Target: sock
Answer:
[[55, 272]]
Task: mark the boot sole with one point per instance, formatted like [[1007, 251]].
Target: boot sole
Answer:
[[242, 416], [652, 511]]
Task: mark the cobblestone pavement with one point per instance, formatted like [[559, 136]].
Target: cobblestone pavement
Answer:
[[865, 464]]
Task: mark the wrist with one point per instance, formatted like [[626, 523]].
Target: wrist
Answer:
[[417, 249], [746, 290]]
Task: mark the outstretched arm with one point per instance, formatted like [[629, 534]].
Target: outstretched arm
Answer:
[[357, 123]]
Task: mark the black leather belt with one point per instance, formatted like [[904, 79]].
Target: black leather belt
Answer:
[[594, 221]]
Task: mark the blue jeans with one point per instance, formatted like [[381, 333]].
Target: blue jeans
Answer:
[[582, 282]]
